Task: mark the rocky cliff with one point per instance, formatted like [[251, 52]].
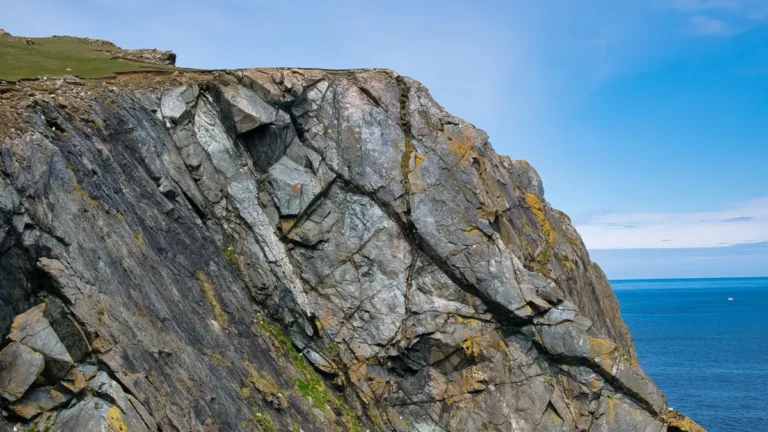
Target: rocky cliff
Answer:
[[285, 250]]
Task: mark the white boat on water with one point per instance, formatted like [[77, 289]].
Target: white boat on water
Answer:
[[730, 298]]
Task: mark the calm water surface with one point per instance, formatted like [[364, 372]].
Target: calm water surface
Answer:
[[709, 355]]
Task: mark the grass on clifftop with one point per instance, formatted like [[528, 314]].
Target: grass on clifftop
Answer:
[[61, 56]]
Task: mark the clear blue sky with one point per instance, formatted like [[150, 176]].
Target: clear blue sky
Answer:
[[647, 120]]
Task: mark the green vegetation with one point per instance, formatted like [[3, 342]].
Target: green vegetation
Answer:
[[61, 56], [231, 255], [263, 382], [263, 421], [309, 384], [210, 296]]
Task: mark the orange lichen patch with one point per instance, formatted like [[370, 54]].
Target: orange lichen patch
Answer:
[[473, 230], [683, 423], [460, 145], [487, 212], [611, 409], [470, 322], [471, 346], [600, 347], [319, 326], [601, 351], [535, 204], [463, 383], [287, 224], [542, 260], [418, 160], [296, 188], [115, 420], [210, 296]]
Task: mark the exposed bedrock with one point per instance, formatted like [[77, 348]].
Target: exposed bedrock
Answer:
[[286, 249]]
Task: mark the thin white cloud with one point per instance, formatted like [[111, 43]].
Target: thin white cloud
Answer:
[[704, 25], [743, 224], [701, 5]]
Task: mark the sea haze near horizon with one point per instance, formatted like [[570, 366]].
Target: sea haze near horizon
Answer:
[[708, 354]]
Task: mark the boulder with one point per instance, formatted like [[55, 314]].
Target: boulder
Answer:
[[34, 331], [38, 400], [69, 332], [249, 111], [175, 103], [96, 415], [19, 368]]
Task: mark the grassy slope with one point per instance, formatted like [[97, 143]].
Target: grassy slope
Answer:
[[53, 56]]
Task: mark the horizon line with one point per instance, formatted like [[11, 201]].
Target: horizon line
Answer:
[[685, 278]]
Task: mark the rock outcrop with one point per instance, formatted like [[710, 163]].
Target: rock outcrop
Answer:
[[144, 55], [285, 250]]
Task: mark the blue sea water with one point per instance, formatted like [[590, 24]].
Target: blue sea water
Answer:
[[709, 355]]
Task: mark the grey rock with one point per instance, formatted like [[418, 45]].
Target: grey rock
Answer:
[[633, 378], [248, 110], [615, 414], [38, 400], [150, 55], [69, 332], [212, 135], [292, 187], [175, 103], [106, 388], [524, 175], [93, 414], [269, 143], [565, 312], [34, 331], [19, 368]]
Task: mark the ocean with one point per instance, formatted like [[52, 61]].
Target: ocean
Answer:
[[707, 353]]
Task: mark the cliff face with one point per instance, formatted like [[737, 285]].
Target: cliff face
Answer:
[[284, 250]]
